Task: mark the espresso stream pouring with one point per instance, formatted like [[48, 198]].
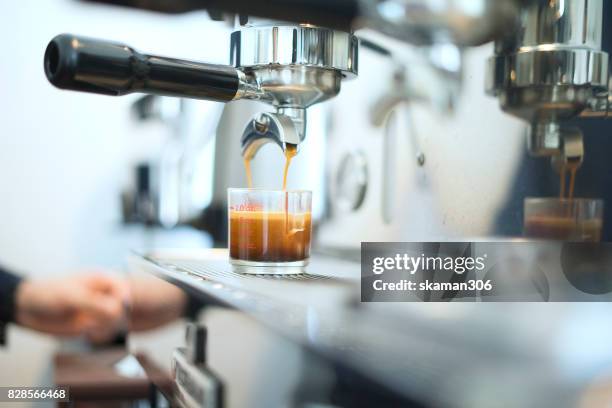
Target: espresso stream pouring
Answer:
[[290, 152]]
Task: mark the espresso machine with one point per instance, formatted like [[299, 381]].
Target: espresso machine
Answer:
[[547, 71], [418, 102]]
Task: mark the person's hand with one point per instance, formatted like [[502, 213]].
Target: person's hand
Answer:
[[92, 305], [154, 303]]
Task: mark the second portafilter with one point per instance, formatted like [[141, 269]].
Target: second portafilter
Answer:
[[550, 69], [288, 66]]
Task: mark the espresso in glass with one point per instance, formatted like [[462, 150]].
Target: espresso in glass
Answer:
[[577, 219], [269, 230]]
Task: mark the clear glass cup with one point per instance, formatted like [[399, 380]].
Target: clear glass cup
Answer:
[[577, 219], [269, 230]]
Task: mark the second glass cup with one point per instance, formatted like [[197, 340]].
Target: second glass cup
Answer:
[[269, 230], [578, 219]]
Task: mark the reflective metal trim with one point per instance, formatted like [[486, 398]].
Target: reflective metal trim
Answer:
[[548, 68], [295, 45]]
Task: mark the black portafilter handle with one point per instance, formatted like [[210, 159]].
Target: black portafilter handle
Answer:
[[102, 67]]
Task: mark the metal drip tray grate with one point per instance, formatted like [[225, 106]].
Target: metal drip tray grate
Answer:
[[222, 271], [212, 265], [327, 279]]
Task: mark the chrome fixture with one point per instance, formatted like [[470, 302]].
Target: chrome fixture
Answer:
[[426, 22], [552, 69], [572, 150], [272, 127], [422, 79]]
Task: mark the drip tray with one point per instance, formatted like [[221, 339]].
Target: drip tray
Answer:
[[326, 279], [221, 271]]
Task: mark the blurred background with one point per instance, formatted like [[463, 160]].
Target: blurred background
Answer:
[[66, 157]]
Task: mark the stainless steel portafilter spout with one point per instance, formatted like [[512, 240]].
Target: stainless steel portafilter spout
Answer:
[[279, 128], [572, 150], [563, 144], [544, 139]]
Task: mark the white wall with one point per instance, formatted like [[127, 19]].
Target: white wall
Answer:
[[64, 156]]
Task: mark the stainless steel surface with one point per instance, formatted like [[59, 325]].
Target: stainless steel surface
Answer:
[[435, 354], [297, 116], [540, 85], [213, 264], [544, 139], [550, 65], [575, 23], [254, 47], [440, 91], [571, 152], [296, 85], [248, 89], [351, 182], [292, 67], [601, 106], [289, 86], [194, 385], [424, 22], [573, 147], [269, 128], [552, 68]]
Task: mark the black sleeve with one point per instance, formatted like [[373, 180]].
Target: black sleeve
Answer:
[[8, 286]]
